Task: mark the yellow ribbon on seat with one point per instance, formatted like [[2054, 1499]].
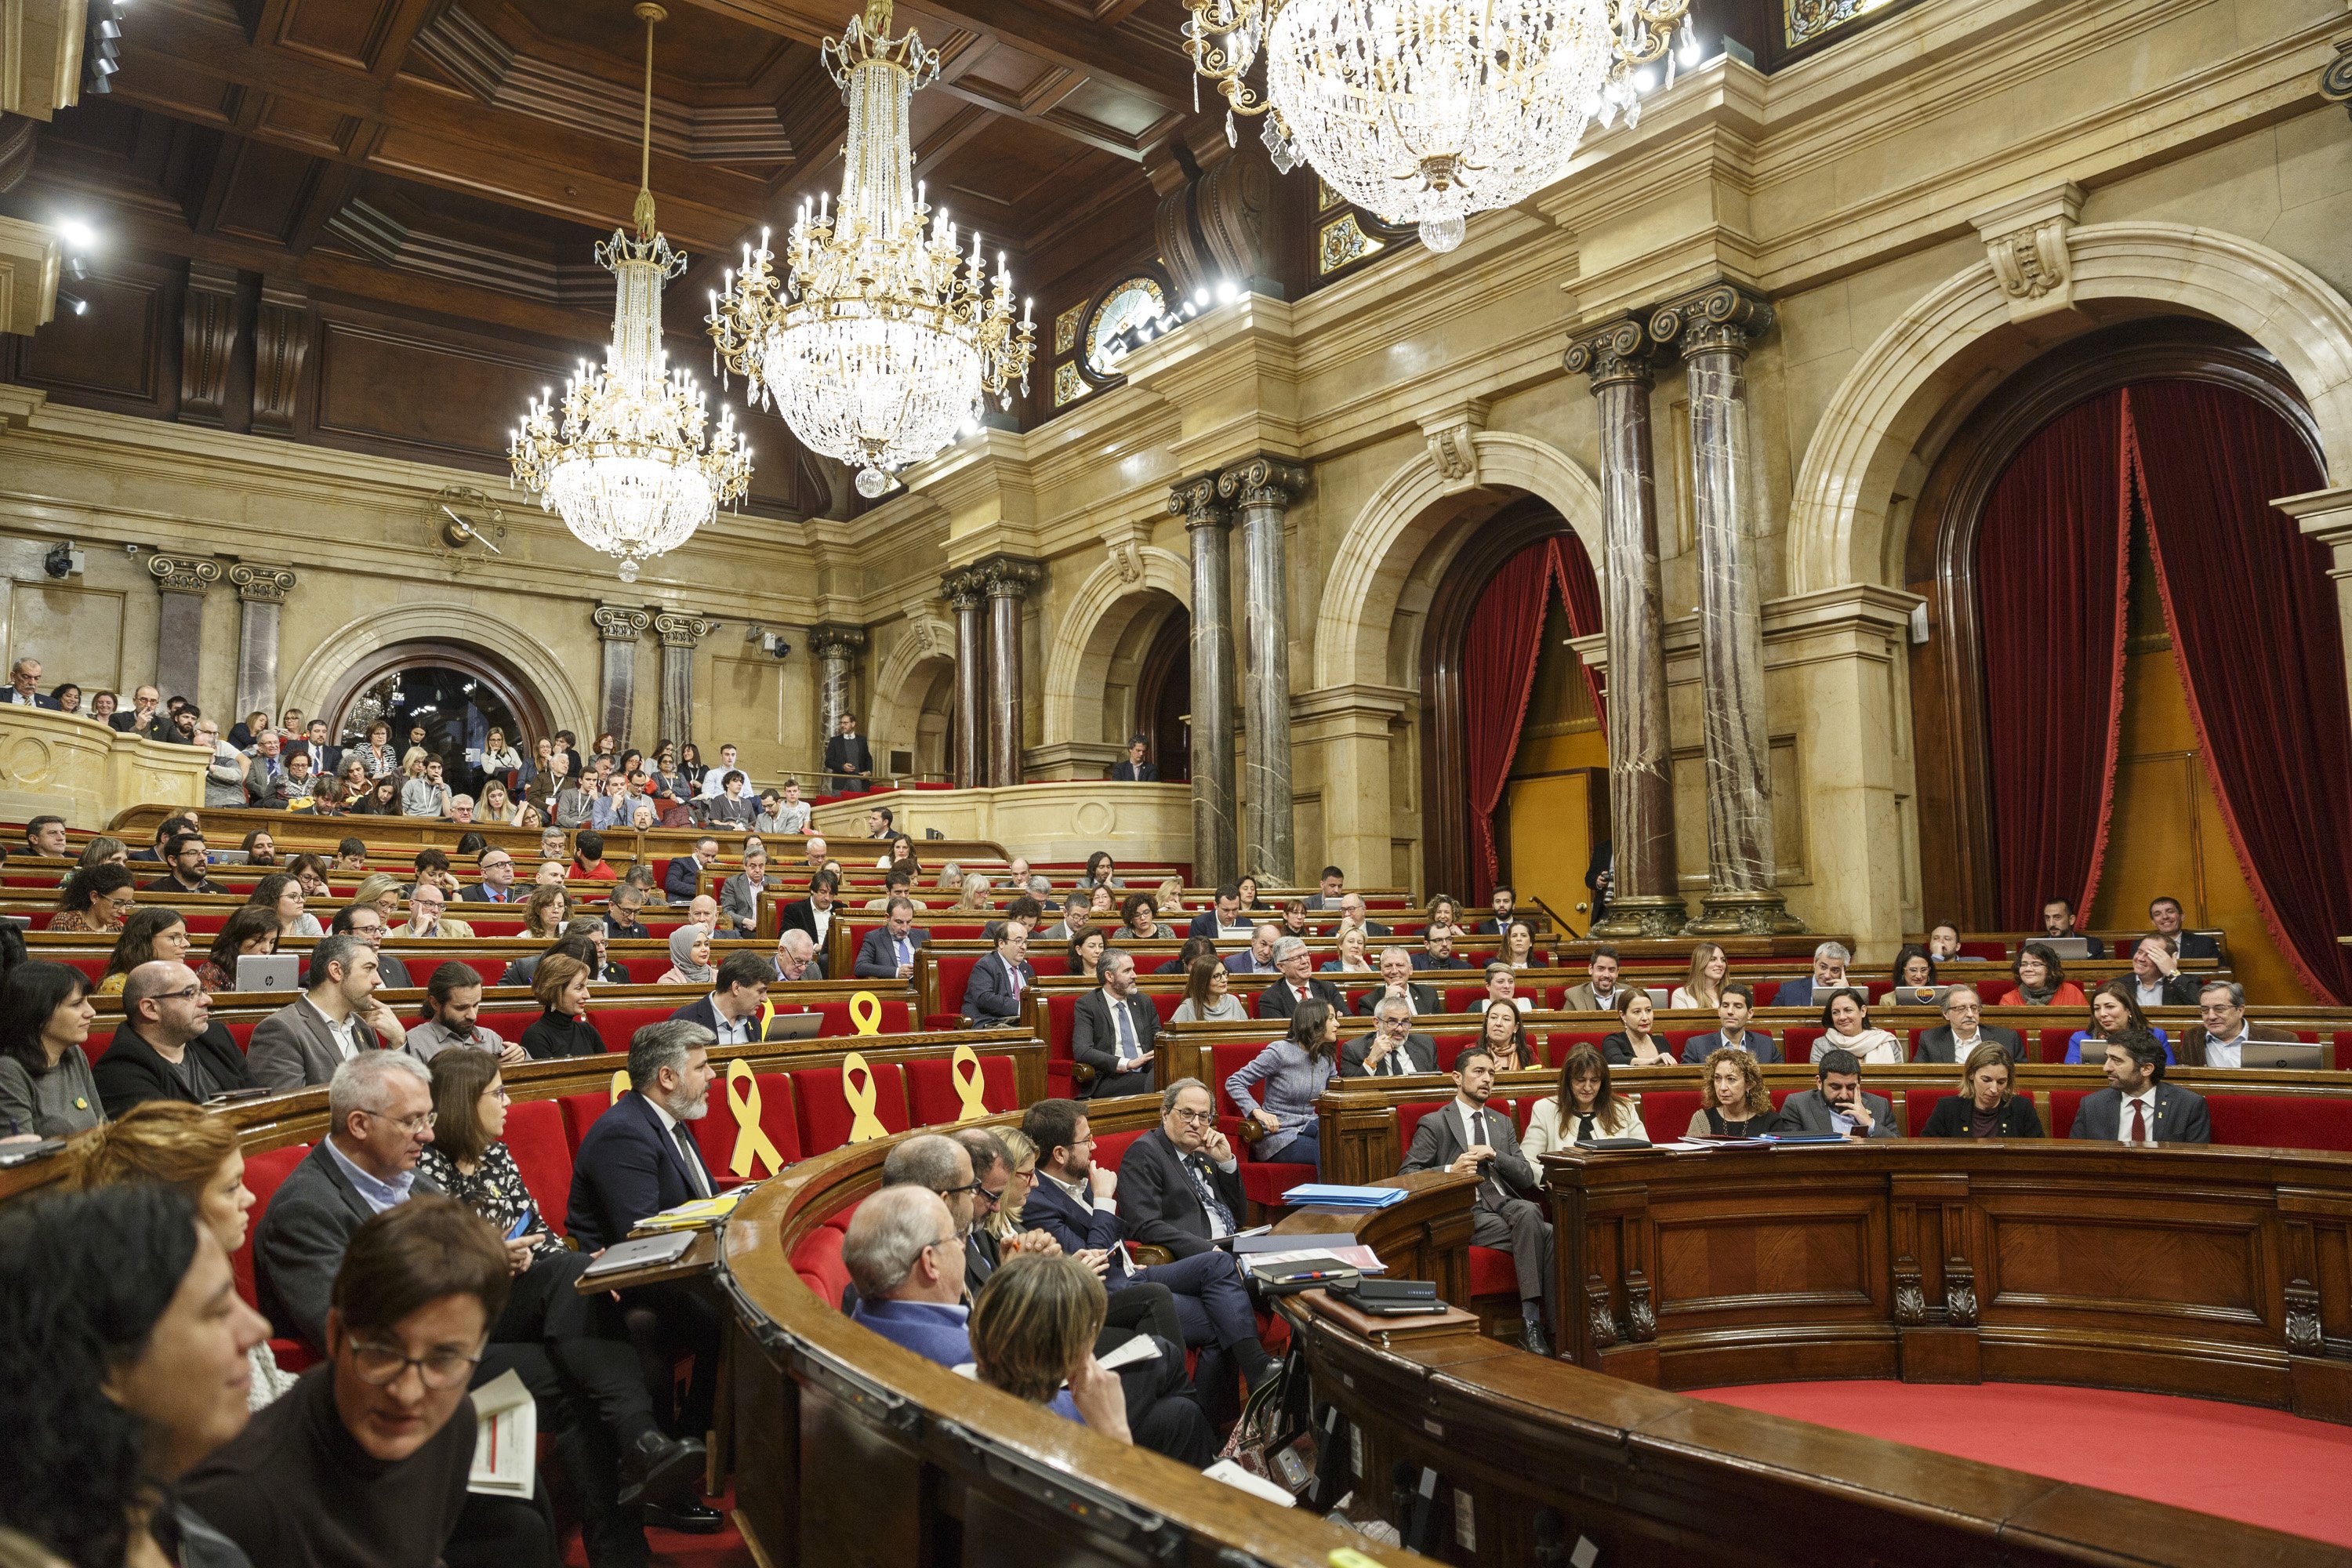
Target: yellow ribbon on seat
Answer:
[[865, 1012], [620, 1085], [751, 1139], [857, 1087], [970, 1088]]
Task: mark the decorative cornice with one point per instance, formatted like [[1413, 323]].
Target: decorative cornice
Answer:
[[1264, 481], [834, 641], [1197, 502], [258, 584], [2029, 243], [619, 623], [182, 574], [680, 630], [1614, 354], [1722, 318]]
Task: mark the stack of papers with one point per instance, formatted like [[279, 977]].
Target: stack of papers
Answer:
[[698, 1215], [1361, 1258], [1322, 1195], [506, 1439]]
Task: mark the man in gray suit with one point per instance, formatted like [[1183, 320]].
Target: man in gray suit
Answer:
[[888, 950], [1113, 1030], [2137, 1106], [992, 997], [1962, 1034], [338, 1017], [1508, 1213], [1391, 1049], [1837, 1104]]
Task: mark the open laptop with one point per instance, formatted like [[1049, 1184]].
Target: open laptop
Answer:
[[268, 971], [794, 1025], [2066, 947], [1659, 994], [2303, 1054], [229, 857]]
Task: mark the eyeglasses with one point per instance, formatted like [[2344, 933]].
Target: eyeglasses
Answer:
[[1193, 1118], [498, 1091], [380, 1366], [967, 1187], [183, 995], [417, 1123]]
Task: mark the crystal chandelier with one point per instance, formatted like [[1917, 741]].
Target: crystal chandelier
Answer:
[[1427, 110], [886, 337], [627, 467]]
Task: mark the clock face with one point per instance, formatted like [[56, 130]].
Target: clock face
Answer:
[[1136, 301]]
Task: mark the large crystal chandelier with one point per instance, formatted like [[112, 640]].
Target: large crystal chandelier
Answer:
[[1428, 110], [886, 337], [627, 467]]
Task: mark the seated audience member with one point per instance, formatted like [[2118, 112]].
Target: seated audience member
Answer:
[[367, 924], [2156, 980], [171, 827], [1298, 983], [1732, 1100], [1193, 948], [47, 1089], [426, 915], [2040, 979], [888, 950], [337, 1018], [2220, 1038], [1353, 945], [1518, 948], [1703, 987], [1223, 918], [1846, 1026], [1508, 1213], [1583, 1110], [796, 958], [1633, 1044], [690, 958], [1209, 996], [732, 807], [46, 835], [1503, 986], [2137, 1106], [991, 995], [740, 896], [103, 849], [2114, 1008], [149, 934], [1351, 913], [184, 860], [1032, 1330], [123, 1352], [2058, 921], [1258, 957], [588, 863], [702, 909], [498, 883], [1139, 921], [424, 794], [1830, 960], [1599, 992], [1987, 1105], [95, 899], [1077, 914], [973, 896], [1960, 1033], [684, 878], [622, 907], [1838, 1103], [1295, 1069], [1915, 978], [547, 911], [1437, 951], [1181, 1186], [282, 896], [246, 930], [1293, 919], [1397, 981], [813, 850], [898, 884], [548, 874], [310, 872], [738, 994], [1502, 901], [1393, 1049], [1504, 1035], [1113, 1031], [1732, 1011], [2164, 914], [453, 1004], [560, 985], [167, 1047], [1446, 916]]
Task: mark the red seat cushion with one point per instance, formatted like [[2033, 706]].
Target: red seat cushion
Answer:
[[817, 1260], [241, 1030], [580, 1113], [955, 973], [1765, 991], [1666, 1113], [1920, 1104], [1493, 1273], [263, 1173], [716, 1133], [1110, 1148], [2063, 1103], [2281, 1121], [934, 1101], [534, 1136], [826, 1117]]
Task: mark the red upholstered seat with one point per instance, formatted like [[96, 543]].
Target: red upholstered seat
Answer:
[[2053, 1043], [826, 1117], [896, 1017], [1557, 1045], [1666, 1113], [264, 1174], [241, 1030], [490, 966], [1797, 1044], [1998, 952], [580, 1113], [1678, 1038], [1110, 1148], [1765, 991], [1920, 1104], [534, 1136], [817, 1260], [1465, 998], [1493, 1273], [615, 1024], [91, 967], [1263, 1181], [2063, 1103], [2281, 1122], [647, 970], [955, 973], [1061, 1023], [95, 1045], [716, 1133], [1165, 1003], [933, 1098]]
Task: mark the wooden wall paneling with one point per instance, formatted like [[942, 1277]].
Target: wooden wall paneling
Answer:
[[208, 340], [417, 391], [281, 347], [122, 354]]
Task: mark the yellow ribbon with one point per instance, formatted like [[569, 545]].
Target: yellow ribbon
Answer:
[[857, 1087], [620, 1085], [751, 1141], [965, 1069], [865, 1012]]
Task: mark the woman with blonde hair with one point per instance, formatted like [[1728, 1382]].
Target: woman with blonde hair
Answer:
[[1170, 898], [103, 851], [1351, 959], [974, 897], [1987, 1105], [1032, 1330], [1709, 967], [1020, 1167], [381, 889]]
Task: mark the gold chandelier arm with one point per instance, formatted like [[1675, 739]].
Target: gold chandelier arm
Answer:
[[652, 16]]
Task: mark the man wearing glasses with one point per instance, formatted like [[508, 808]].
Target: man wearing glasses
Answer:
[[167, 1048], [497, 886], [1180, 1184]]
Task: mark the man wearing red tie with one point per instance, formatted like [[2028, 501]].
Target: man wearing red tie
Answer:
[[2137, 1106], [1297, 982]]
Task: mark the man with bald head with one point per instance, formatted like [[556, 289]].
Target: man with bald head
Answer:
[[797, 956], [167, 1047], [704, 911]]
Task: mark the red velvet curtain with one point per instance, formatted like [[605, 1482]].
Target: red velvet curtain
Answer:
[[2051, 583], [1580, 595], [2254, 624]]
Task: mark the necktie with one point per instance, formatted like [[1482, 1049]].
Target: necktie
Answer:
[[694, 1176], [1490, 1188], [906, 955], [1123, 1027], [2139, 1122], [1394, 1063], [1210, 1201]]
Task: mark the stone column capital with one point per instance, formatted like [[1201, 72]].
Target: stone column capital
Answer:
[[836, 639], [619, 623], [679, 630], [964, 589], [1196, 501], [184, 573], [1720, 318], [1613, 353], [258, 584], [1010, 576], [1263, 480]]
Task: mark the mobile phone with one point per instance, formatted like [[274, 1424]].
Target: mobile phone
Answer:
[[520, 1227]]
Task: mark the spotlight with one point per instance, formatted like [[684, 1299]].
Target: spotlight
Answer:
[[75, 233], [1227, 292], [74, 302]]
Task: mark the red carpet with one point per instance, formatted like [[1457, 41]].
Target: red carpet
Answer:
[[2249, 1465]]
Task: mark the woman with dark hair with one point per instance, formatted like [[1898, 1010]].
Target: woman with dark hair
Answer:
[[312, 874], [1139, 918], [692, 770], [1582, 1109], [1293, 919], [468, 1159], [46, 1086], [548, 908], [1732, 1100], [560, 982], [260, 848], [1634, 1044], [1987, 1105], [1915, 977], [1209, 994], [2040, 979], [2114, 1007], [248, 929], [1250, 903], [902, 852], [1846, 1026], [149, 933], [1519, 946], [124, 1351], [383, 798], [1504, 1033], [1086, 953], [97, 901], [281, 895], [68, 697], [1295, 1069]]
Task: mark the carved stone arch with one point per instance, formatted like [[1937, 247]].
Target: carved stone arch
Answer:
[[1382, 556], [321, 675], [1914, 386], [905, 683], [1091, 626]]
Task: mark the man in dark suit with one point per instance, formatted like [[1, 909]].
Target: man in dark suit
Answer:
[[2137, 1106], [992, 997], [498, 883], [1601, 878], [337, 1018], [2058, 921], [2156, 978], [1258, 957], [1181, 1185], [684, 878], [1508, 1213], [1396, 979], [813, 914], [1224, 915], [738, 994], [1837, 1104], [24, 686], [1391, 1049], [1504, 905], [1437, 953], [1351, 912], [1134, 769], [849, 760], [1297, 982], [2164, 914], [167, 1047], [143, 717], [326, 760], [1731, 1014], [1961, 1032], [888, 950], [171, 827], [1114, 1029], [2220, 1038], [1830, 960], [46, 835]]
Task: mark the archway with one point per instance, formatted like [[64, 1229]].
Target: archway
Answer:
[[1164, 698], [537, 682], [455, 692], [1094, 659]]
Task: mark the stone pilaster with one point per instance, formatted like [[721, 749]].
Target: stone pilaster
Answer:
[[965, 591], [619, 626], [261, 595], [678, 633], [1714, 326], [1007, 580], [835, 648], [1216, 842], [1643, 901], [180, 628], [1260, 491]]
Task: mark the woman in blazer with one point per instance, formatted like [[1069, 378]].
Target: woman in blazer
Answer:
[[1634, 1045], [1295, 1069], [1986, 1107], [1558, 1120]]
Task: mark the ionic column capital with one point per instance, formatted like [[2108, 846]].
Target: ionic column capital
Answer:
[[836, 639], [964, 589], [258, 584], [1263, 481], [1009, 576], [1196, 501], [184, 573], [1617, 353], [619, 623], [677, 630], [1721, 318]]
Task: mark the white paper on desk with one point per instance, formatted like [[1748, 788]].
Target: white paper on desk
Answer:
[[506, 1439], [1143, 1347], [1234, 1476]]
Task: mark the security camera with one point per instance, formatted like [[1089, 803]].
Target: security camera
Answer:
[[62, 560], [774, 647]]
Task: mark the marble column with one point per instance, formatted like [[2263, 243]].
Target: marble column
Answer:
[[1644, 900], [964, 590], [835, 648], [620, 626], [180, 628], [678, 634], [261, 596], [1260, 491], [1008, 580], [1714, 326], [1216, 842]]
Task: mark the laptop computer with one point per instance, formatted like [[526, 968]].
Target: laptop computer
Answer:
[[2302, 1054], [1659, 994], [268, 971], [794, 1025], [229, 857], [2065, 946]]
